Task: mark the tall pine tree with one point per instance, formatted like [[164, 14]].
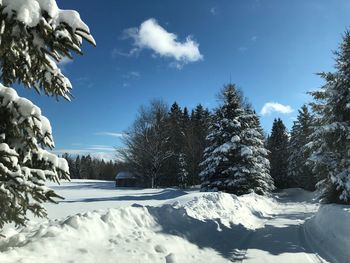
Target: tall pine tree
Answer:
[[277, 145], [330, 140], [175, 126], [299, 172]]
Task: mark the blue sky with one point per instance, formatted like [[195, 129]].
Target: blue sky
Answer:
[[271, 49]]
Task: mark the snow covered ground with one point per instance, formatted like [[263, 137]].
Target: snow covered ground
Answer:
[[99, 223]]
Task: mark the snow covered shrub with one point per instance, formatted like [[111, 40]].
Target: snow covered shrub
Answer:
[[330, 140], [236, 160], [35, 35]]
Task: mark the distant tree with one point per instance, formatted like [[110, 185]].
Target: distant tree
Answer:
[[277, 145], [174, 129], [330, 140], [30, 48], [77, 167], [196, 131], [235, 160], [299, 172], [146, 144]]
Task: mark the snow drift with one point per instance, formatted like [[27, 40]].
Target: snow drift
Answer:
[[204, 227], [329, 230]]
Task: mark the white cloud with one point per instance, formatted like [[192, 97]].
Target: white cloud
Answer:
[[254, 38], [213, 11], [242, 49], [270, 107], [132, 74], [150, 35], [105, 148], [104, 152], [113, 134]]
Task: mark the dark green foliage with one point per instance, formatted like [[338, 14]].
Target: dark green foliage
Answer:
[[168, 149], [277, 145], [96, 168], [176, 138], [299, 172]]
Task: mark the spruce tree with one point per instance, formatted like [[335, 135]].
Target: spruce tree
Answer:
[[235, 160], [196, 131], [35, 36], [277, 145], [299, 172], [330, 140], [175, 126]]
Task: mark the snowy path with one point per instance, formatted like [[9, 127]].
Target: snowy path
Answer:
[[283, 238], [99, 223]]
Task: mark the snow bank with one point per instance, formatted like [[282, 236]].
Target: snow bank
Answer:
[[193, 231], [247, 210], [329, 230]]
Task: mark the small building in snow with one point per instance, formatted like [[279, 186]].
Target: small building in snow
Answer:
[[126, 179]]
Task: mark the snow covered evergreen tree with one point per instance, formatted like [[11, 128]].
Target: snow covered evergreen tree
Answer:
[[34, 36], [277, 145], [330, 140], [235, 160], [299, 172]]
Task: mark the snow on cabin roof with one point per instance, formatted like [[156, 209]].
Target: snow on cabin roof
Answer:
[[125, 175]]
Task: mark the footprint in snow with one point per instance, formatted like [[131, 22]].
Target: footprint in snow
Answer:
[[160, 249]]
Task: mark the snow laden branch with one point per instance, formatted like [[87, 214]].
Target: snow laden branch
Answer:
[[25, 165], [35, 35]]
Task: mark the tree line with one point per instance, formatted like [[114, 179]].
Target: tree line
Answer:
[[164, 147], [87, 167], [225, 149]]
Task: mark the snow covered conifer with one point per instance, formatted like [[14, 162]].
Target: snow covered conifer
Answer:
[[24, 164], [330, 140], [277, 144], [35, 35], [299, 172], [235, 160]]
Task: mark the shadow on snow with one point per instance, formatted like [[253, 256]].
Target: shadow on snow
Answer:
[[162, 195]]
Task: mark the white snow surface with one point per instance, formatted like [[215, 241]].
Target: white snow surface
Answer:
[[99, 223], [330, 230]]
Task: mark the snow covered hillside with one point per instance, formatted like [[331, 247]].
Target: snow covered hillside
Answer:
[[98, 223]]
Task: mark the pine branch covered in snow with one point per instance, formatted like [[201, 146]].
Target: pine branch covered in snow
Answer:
[[35, 35], [24, 163]]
